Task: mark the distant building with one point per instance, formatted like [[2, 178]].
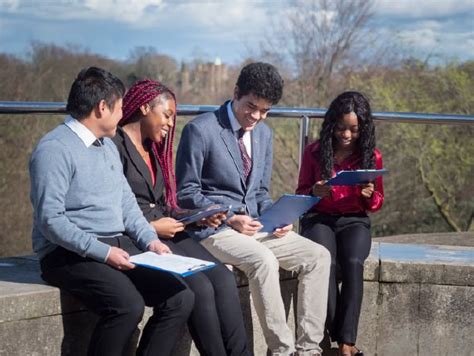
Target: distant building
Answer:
[[210, 77]]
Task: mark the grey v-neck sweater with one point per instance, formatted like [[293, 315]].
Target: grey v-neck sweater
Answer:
[[79, 193]]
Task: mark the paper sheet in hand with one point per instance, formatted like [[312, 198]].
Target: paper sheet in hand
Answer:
[[286, 210], [204, 214], [360, 176], [184, 266]]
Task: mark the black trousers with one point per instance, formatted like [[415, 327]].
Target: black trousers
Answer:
[[347, 237], [216, 323], [119, 298]]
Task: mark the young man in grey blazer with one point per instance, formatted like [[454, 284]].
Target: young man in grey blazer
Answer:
[[225, 157]]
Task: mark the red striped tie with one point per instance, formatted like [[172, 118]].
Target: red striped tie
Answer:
[[247, 161]]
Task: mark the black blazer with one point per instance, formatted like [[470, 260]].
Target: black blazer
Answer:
[[149, 198]]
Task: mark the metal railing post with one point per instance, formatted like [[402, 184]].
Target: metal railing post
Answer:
[[304, 131]]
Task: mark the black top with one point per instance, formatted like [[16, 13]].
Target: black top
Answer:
[[151, 199]]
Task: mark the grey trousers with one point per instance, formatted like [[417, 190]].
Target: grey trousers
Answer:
[[260, 257]]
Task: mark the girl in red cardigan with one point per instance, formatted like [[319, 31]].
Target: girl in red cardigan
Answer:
[[339, 221]]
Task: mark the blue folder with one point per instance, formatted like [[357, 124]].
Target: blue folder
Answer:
[[360, 176], [204, 214], [181, 265], [286, 210]]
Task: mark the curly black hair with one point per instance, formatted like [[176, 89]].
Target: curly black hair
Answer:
[[345, 103], [262, 80]]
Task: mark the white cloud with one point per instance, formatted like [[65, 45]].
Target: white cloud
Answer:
[[130, 11], [424, 37], [433, 42], [224, 26], [204, 15], [216, 15], [423, 8], [9, 4], [126, 11]]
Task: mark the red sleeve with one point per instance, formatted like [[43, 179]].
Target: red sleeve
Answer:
[[307, 172], [375, 202]]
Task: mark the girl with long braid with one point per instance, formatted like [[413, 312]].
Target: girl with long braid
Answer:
[[145, 142], [339, 221]]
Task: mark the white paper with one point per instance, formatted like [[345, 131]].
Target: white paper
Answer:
[[184, 266]]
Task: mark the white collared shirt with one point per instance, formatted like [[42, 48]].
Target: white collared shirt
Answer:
[[234, 123], [80, 130]]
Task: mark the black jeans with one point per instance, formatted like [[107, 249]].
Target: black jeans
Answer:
[[347, 237], [119, 298], [216, 322]]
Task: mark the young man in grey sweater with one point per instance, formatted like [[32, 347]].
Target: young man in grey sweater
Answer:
[[87, 223]]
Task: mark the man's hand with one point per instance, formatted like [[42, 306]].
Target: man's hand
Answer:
[[119, 259], [158, 247], [282, 231], [213, 220], [244, 224], [167, 227], [367, 190]]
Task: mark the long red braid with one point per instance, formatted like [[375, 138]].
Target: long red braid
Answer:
[[140, 93]]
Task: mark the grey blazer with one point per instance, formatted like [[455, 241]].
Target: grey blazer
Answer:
[[209, 167]]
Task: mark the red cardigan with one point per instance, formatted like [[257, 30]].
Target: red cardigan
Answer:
[[343, 199]]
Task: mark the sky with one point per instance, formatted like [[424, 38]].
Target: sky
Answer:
[[207, 29]]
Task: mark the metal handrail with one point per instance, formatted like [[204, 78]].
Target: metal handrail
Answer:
[[304, 114], [17, 107]]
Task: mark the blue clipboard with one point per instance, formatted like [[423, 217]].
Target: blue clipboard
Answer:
[[360, 176], [204, 214], [176, 264], [286, 210]]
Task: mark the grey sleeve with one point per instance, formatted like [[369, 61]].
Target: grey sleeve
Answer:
[[51, 171]]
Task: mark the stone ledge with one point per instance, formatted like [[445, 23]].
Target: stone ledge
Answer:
[[430, 264], [412, 293]]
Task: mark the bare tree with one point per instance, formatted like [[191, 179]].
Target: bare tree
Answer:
[[150, 64], [315, 39]]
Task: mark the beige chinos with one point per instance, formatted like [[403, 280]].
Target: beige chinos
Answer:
[[260, 257]]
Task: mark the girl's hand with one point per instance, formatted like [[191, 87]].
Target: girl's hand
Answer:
[[167, 227], [158, 247], [367, 190], [321, 190]]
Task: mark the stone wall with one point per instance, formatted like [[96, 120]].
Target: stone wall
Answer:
[[418, 300]]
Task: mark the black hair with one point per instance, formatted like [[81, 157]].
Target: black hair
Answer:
[[345, 103], [90, 87], [262, 80]]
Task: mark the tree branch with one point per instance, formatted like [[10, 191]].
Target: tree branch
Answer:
[[437, 200]]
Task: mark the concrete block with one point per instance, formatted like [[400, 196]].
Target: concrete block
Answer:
[[398, 323], [24, 295], [372, 263], [418, 300], [368, 319], [465, 238], [444, 265], [446, 320], [47, 336]]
